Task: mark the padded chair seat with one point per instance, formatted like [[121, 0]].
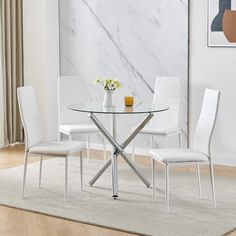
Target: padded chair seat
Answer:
[[161, 130], [82, 128], [172, 155], [57, 148]]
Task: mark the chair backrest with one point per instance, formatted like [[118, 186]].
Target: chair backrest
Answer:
[[71, 90], [30, 116], [206, 123], [167, 91]]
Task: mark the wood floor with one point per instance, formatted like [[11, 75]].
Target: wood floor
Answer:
[[15, 222]]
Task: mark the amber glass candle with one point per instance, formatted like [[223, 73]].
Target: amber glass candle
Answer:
[[129, 101]]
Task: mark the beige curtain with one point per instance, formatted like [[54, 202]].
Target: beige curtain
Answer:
[[11, 69]]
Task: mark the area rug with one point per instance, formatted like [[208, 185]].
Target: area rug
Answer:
[[134, 211]]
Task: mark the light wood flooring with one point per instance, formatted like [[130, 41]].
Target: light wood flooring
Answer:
[[15, 222]]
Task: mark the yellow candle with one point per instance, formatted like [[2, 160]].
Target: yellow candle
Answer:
[[129, 101]]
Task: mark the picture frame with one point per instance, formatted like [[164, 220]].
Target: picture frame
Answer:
[[221, 30]]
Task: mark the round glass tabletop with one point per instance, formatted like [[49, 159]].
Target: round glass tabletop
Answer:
[[118, 109]]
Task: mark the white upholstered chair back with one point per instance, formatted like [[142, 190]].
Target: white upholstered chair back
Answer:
[[30, 116], [167, 92], [70, 92], [206, 123]]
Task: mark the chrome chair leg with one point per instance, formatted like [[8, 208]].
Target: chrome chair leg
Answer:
[[59, 136], [40, 170], [198, 180], [66, 177], [88, 147], [154, 179], [167, 187], [212, 184], [81, 171], [70, 137], [24, 175], [165, 141], [180, 140]]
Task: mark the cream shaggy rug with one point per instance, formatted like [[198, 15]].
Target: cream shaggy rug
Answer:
[[134, 211]]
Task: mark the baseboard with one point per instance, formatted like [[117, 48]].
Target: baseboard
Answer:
[[217, 159], [11, 145], [224, 160]]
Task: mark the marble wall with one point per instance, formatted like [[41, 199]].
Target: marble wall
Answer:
[[131, 40]]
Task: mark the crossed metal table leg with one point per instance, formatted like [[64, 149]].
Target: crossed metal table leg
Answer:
[[118, 149]]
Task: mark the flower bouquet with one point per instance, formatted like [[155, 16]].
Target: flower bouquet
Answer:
[[109, 85]]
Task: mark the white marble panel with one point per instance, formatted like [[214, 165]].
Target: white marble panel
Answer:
[[132, 40]]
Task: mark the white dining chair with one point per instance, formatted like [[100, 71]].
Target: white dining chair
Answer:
[[73, 123], [199, 153], [163, 125], [34, 137]]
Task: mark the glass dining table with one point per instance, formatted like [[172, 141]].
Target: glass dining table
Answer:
[[118, 148]]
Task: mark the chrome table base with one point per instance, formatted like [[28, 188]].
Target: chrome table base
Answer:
[[118, 149]]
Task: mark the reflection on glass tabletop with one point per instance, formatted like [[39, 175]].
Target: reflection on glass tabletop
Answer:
[[118, 109]]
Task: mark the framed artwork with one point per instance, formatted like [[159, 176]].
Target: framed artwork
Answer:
[[222, 23]]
